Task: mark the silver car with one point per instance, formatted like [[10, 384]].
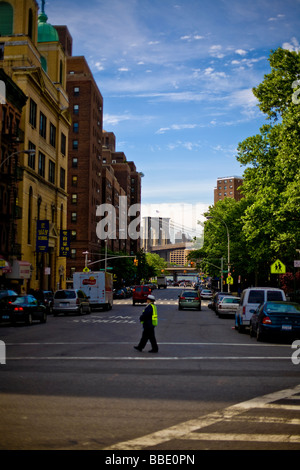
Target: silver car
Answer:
[[70, 301]]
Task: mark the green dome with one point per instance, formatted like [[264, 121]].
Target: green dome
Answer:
[[46, 32]]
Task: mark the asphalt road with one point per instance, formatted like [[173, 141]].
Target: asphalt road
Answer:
[[77, 383]]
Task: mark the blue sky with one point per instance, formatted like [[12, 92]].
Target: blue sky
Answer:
[[176, 78]]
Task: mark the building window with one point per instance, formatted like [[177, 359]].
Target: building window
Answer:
[[6, 19], [74, 180], [52, 135], [76, 91], [31, 157], [75, 162], [75, 144], [75, 127], [43, 125], [76, 108], [73, 253], [74, 198], [62, 178], [51, 171], [29, 220], [32, 113], [42, 160], [63, 144], [74, 217]]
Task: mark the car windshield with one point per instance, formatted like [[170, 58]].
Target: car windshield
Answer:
[[20, 300], [256, 297], [189, 294], [65, 294], [274, 295], [229, 300], [282, 308]]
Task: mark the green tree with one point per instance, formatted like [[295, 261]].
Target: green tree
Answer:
[[271, 179], [157, 263]]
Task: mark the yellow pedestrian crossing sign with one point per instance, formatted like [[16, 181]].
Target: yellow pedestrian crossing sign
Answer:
[[278, 267], [86, 270], [229, 280]]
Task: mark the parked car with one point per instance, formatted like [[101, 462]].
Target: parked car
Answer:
[[228, 305], [140, 294], [24, 308], [119, 294], [189, 299], [276, 319], [45, 297], [216, 299], [206, 294], [70, 301], [7, 293], [251, 299]]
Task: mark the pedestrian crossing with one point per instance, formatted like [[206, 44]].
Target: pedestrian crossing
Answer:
[[267, 422], [157, 302]]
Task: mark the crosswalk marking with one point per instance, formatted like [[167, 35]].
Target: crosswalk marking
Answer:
[[191, 430]]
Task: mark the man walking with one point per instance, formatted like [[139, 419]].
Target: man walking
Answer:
[[149, 321]]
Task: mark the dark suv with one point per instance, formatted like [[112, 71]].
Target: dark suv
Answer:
[[140, 294]]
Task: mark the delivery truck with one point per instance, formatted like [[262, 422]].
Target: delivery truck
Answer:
[[98, 286], [161, 282]]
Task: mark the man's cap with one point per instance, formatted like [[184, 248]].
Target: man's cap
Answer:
[[151, 297]]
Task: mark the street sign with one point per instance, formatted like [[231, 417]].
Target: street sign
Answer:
[[86, 270], [229, 280], [278, 267], [296, 263]]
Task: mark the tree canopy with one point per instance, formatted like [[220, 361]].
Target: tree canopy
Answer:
[[265, 224]]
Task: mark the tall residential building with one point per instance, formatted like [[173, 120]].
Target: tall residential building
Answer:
[[228, 186], [97, 174], [12, 100], [85, 163], [32, 56]]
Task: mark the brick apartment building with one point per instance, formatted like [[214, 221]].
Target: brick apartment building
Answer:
[[97, 174], [228, 186]]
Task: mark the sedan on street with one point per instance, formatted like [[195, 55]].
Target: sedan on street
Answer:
[[227, 306], [272, 319], [24, 308], [206, 294], [189, 299]]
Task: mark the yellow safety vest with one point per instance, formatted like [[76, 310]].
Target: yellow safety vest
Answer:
[[154, 315]]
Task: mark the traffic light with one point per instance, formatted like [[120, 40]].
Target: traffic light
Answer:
[[135, 262]]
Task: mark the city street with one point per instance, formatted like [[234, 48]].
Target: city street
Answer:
[[77, 383]]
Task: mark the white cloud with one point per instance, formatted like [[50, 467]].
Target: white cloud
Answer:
[[293, 45], [215, 51], [241, 51]]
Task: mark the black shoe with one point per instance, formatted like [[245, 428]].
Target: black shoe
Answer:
[[137, 348], [153, 351]]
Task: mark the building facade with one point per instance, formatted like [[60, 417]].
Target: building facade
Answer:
[[228, 186], [33, 58]]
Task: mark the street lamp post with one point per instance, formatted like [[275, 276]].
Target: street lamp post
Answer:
[[228, 243], [28, 152]]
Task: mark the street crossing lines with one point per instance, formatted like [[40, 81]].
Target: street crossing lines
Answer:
[[192, 430]]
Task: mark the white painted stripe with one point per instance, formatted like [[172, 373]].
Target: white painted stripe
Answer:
[[145, 358], [181, 430], [67, 343], [243, 437]]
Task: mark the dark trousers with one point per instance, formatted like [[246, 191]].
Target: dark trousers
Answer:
[[148, 334]]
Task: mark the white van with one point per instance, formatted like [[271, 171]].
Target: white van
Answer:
[[251, 299]]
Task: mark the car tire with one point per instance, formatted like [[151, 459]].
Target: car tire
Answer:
[[44, 318], [29, 319], [259, 334]]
